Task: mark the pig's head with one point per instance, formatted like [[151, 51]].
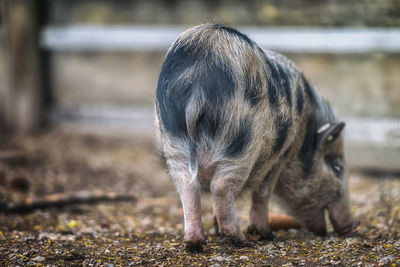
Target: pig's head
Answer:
[[317, 182]]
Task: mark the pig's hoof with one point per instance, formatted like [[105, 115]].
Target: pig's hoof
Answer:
[[216, 226], [194, 246], [258, 235], [239, 243]]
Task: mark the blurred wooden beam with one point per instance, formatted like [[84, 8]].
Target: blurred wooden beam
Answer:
[[373, 144], [65, 199], [22, 103], [127, 38]]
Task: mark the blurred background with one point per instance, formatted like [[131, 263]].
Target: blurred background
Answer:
[[90, 64]]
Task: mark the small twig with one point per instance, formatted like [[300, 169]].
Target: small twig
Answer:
[[64, 199]]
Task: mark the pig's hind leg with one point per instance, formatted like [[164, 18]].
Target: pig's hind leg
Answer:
[[259, 228], [189, 193], [190, 198], [224, 187]]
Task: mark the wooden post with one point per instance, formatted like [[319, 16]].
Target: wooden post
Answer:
[[22, 97]]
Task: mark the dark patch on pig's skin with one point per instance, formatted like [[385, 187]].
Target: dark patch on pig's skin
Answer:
[[321, 114], [299, 101], [273, 96], [279, 83], [241, 139], [273, 78], [253, 89], [208, 123], [174, 89], [308, 147], [217, 82], [285, 84], [282, 125], [172, 95]]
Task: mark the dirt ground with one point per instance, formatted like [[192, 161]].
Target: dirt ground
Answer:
[[149, 231]]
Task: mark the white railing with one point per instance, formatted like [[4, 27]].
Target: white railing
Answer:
[[82, 38]]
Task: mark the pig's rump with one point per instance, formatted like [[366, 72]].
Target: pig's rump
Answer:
[[213, 98]]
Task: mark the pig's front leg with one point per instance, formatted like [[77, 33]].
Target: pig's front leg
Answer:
[[223, 191], [190, 198], [259, 228]]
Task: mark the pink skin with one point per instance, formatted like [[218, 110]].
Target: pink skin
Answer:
[[341, 217], [226, 218], [194, 235]]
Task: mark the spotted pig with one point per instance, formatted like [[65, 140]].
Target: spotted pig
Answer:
[[232, 117]]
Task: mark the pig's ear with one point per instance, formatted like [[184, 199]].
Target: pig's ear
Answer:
[[328, 133]]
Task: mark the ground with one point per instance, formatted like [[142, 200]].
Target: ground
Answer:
[[149, 231]]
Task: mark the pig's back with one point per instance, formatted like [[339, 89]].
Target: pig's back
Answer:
[[226, 100]]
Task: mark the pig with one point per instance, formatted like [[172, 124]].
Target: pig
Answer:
[[233, 118]]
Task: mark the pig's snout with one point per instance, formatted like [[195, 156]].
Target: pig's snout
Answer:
[[341, 217]]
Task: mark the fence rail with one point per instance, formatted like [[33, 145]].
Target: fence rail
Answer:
[[81, 38]]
